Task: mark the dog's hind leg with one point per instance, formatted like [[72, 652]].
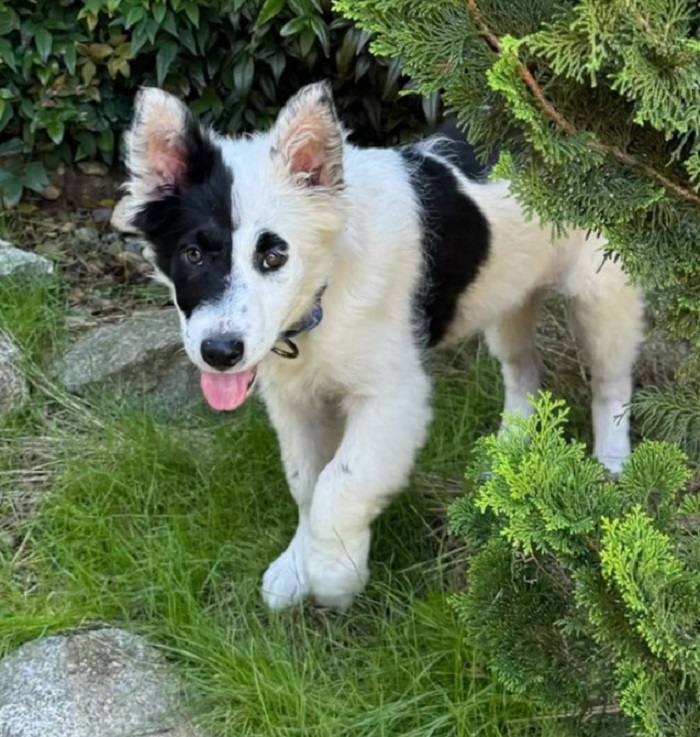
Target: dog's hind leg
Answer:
[[308, 435], [512, 341], [608, 315], [374, 460]]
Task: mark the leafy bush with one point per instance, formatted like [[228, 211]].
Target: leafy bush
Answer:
[[584, 594], [594, 107], [68, 72]]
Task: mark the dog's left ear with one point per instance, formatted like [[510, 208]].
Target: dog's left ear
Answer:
[[309, 138]]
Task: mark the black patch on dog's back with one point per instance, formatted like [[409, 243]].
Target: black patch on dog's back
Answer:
[[196, 212], [453, 146], [455, 241]]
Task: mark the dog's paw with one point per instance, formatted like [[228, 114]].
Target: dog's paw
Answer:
[[613, 466], [338, 572], [285, 582]]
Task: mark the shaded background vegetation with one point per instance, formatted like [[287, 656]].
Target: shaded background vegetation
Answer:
[[68, 73]]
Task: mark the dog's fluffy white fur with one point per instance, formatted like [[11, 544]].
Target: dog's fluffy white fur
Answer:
[[353, 409]]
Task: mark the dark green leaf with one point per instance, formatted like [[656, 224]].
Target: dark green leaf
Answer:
[[345, 54], [362, 66], [392, 77], [152, 29], [69, 57], [192, 11], [306, 41], [170, 24], [8, 21], [44, 75], [106, 143], [203, 35], [13, 146], [164, 58], [35, 177], [56, 129], [7, 54], [44, 42], [135, 15], [187, 40], [138, 39], [206, 102], [243, 74], [58, 154], [88, 144], [268, 87], [278, 62], [195, 71], [93, 6], [11, 192], [294, 26], [431, 108], [159, 11], [6, 116], [27, 107], [269, 10], [322, 33]]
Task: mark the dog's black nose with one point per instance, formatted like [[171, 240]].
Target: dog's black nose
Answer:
[[223, 352]]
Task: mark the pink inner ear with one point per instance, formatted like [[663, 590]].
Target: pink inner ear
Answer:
[[167, 161], [307, 159]]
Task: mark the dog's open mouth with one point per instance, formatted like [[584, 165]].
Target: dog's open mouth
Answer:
[[227, 391]]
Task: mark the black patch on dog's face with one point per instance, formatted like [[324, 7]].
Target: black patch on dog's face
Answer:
[[455, 241], [194, 214], [269, 243]]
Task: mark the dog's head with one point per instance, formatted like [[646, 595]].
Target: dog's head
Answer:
[[242, 230]]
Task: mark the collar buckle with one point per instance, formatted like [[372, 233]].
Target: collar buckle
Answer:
[[312, 320]]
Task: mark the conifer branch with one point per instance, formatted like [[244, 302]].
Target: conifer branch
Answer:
[[567, 126]]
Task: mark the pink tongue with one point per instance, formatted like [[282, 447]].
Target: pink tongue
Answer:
[[226, 391]]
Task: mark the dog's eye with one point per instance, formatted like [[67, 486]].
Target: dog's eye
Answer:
[[273, 260], [194, 255]]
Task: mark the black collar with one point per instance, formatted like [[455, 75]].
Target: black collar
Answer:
[[307, 323]]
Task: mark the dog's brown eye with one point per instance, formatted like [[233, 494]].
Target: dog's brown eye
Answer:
[[273, 260], [194, 255]]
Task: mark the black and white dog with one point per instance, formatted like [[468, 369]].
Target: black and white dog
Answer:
[[399, 251]]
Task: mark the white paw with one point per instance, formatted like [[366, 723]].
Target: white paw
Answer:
[[285, 582], [338, 571]]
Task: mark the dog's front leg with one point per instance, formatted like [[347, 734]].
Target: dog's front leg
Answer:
[[373, 462], [308, 434]]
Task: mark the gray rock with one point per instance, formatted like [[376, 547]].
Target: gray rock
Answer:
[[104, 683], [143, 354], [15, 260], [13, 385]]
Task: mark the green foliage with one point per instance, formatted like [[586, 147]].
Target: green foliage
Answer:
[[594, 108], [68, 73], [584, 593]]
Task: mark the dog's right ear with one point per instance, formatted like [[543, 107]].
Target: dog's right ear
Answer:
[[156, 146], [308, 138]]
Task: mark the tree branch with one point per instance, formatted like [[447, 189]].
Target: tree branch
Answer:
[[564, 124]]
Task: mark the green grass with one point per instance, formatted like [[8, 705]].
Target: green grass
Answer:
[[166, 529]]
